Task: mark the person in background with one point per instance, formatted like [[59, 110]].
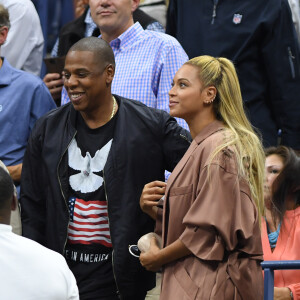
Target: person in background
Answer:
[[213, 199], [294, 5], [281, 224], [29, 270], [25, 42], [23, 99], [84, 26], [84, 169], [156, 9], [146, 60], [260, 38]]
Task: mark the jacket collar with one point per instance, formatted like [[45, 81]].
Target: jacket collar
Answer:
[[208, 130], [74, 113]]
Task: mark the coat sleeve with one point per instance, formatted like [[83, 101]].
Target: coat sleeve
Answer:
[[283, 74], [175, 140], [32, 200], [221, 218]]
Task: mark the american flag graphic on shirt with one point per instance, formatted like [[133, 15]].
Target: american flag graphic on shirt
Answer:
[[88, 222]]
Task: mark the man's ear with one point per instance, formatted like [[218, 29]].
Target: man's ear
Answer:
[[134, 5], [14, 202], [3, 34], [110, 73]]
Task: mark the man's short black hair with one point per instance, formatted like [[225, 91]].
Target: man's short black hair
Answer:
[[99, 47], [6, 189]]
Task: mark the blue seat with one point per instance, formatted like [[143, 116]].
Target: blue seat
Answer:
[[269, 267]]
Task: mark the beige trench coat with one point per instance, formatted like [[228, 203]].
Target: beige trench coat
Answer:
[[217, 221]]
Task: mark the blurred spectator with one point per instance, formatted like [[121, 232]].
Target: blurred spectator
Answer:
[[23, 99], [29, 270], [156, 9], [281, 225], [53, 15], [80, 7], [294, 5], [24, 45], [259, 37]]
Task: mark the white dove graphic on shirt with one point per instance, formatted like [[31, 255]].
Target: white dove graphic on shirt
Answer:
[[86, 181]]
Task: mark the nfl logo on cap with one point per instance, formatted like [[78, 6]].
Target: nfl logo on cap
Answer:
[[237, 18]]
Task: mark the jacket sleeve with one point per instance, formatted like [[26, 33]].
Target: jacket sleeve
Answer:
[[32, 200], [175, 141], [221, 218], [280, 50]]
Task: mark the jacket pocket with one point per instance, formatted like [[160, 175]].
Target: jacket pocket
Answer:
[[181, 190], [184, 281]]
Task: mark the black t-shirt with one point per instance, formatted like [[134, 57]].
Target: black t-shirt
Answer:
[[89, 250]]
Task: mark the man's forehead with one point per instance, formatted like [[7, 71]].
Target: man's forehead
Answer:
[[83, 59]]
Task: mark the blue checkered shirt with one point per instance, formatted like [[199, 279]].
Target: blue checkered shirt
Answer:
[[90, 26], [146, 62]]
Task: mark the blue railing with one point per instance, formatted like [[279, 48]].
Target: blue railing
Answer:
[[269, 267]]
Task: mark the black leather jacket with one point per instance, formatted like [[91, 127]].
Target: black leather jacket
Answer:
[[146, 142]]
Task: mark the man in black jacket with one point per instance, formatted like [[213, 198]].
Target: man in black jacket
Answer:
[[84, 170]]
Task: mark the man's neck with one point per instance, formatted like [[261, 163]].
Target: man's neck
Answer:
[[101, 116], [109, 36]]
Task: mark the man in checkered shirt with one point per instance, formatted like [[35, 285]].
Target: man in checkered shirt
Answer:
[[146, 61]]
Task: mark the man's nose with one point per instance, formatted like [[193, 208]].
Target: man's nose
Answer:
[[71, 81]]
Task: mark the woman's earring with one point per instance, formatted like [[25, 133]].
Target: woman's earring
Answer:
[[211, 101]]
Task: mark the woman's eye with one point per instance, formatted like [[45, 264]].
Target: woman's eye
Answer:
[[274, 171], [182, 84]]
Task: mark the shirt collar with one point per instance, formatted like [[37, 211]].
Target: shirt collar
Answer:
[[126, 39], [5, 73], [88, 18]]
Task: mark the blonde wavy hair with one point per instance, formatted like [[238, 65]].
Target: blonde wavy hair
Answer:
[[228, 106]]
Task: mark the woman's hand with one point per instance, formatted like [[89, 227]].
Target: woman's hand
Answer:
[[152, 192], [282, 293], [150, 259]]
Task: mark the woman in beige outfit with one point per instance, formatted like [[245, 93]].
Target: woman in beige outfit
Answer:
[[213, 199]]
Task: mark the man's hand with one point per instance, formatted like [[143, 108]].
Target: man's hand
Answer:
[[54, 83], [15, 172], [152, 192]]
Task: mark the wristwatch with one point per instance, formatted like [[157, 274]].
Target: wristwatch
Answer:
[[291, 295]]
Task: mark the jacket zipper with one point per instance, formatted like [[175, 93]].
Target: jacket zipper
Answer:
[[214, 13], [185, 138], [291, 60], [63, 192], [112, 254]]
